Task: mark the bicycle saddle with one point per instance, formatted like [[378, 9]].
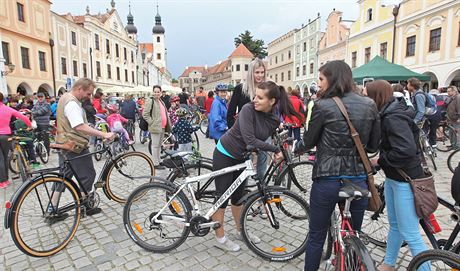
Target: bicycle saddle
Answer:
[[174, 154], [351, 190]]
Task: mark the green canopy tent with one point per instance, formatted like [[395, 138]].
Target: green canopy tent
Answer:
[[379, 68]]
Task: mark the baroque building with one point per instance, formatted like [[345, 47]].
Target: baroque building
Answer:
[[281, 58], [333, 44]]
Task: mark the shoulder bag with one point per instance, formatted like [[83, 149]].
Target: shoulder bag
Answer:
[[374, 202], [143, 125]]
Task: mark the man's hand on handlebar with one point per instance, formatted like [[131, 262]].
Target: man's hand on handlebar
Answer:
[[109, 136]]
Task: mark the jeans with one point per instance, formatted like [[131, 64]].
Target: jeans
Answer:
[[403, 220], [296, 132], [431, 125], [157, 140], [323, 198]]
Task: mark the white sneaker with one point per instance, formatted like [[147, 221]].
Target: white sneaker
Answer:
[[254, 238], [228, 245]]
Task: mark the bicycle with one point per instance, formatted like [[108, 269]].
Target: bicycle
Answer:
[[18, 158], [439, 259], [169, 143], [44, 213], [453, 159], [164, 223], [427, 149], [131, 129], [39, 146], [350, 252], [446, 137]]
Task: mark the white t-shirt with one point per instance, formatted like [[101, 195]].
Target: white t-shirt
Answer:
[[74, 113]]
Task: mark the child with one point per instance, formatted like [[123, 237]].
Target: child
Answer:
[[183, 130], [172, 110], [116, 121], [218, 115], [22, 130]]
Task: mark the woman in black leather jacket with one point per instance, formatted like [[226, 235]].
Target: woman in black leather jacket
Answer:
[[337, 157]]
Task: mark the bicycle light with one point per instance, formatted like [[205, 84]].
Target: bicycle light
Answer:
[[7, 205]]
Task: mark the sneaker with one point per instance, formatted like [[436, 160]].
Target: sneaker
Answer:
[[434, 146], [93, 211], [5, 184], [52, 218], [228, 245], [35, 165], [254, 238]]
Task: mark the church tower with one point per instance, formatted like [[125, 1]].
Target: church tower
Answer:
[[130, 27], [159, 49]]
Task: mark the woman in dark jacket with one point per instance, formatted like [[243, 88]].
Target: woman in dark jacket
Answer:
[[398, 150], [337, 157]]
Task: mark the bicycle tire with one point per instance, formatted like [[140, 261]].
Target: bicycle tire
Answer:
[[282, 243], [447, 141], [41, 188], [449, 258], [296, 180], [375, 224], [452, 160], [125, 172], [195, 141], [12, 162], [204, 125], [431, 156], [23, 175], [42, 152], [355, 257], [143, 200]]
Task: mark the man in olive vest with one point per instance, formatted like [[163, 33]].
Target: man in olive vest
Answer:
[[73, 131]]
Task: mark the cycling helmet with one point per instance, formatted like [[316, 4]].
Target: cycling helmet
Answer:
[[175, 99], [180, 112], [113, 108], [221, 87]]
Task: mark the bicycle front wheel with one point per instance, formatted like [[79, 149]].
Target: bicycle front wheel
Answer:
[[269, 230], [169, 230], [126, 173], [12, 165], [35, 229], [453, 160], [435, 259], [204, 125], [42, 152], [446, 138], [296, 177], [355, 256]]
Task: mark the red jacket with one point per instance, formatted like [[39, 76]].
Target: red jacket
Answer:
[[208, 104], [298, 105], [98, 106]]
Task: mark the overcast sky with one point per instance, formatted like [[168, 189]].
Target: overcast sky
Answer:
[[200, 32]]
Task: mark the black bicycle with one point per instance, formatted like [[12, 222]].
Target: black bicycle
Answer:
[[436, 259], [44, 213]]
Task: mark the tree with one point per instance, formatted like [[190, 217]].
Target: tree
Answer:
[[255, 46], [174, 81]]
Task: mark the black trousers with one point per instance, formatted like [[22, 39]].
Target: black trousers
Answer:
[[83, 167], [5, 147]]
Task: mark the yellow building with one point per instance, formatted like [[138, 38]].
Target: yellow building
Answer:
[[428, 40], [281, 60], [332, 45], [371, 34], [25, 35]]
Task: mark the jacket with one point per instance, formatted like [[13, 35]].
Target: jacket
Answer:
[[328, 130], [154, 120], [399, 147], [298, 106], [453, 109], [128, 109], [97, 103], [217, 118], [42, 113], [208, 104], [237, 102], [183, 131], [89, 110]]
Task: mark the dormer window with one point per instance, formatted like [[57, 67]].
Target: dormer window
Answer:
[[369, 15]]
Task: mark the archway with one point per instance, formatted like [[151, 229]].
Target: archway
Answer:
[[45, 89], [24, 89], [305, 92], [433, 82], [454, 79]]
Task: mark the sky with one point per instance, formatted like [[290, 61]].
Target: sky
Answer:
[[202, 32]]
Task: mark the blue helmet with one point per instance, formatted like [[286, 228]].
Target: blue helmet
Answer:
[[221, 87]]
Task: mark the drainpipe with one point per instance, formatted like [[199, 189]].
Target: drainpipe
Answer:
[[51, 41], [395, 15]]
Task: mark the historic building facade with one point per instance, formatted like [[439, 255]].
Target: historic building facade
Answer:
[[280, 60], [333, 44]]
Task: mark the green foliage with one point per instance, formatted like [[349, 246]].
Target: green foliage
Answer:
[[174, 80], [256, 46]]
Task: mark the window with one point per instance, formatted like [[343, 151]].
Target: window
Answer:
[[289, 54], [96, 41], [282, 77], [20, 12], [270, 61], [282, 57], [276, 78], [117, 50], [237, 67], [132, 56], [109, 71], [75, 68], [435, 40], [125, 55], [85, 70], [410, 46], [63, 65], [369, 15], [118, 73], [73, 37], [276, 59], [383, 50], [353, 59], [42, 61], [304, 69], [305, 46], [6, 52], [312, 43], [25, 58], [312, 66], [158, 39], [132, 76], [297, 49], [98, 69], [159, 56], [126, 75], [367, 54], [297, 71], [246, 67], [289, 75], [107, 46]]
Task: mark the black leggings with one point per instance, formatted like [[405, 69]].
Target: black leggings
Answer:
[[223, 182]]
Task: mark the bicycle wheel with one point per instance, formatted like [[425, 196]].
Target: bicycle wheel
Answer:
[[375, 224], [99, 147], [283, 242], [38, 233], [204, 125], [453, 160], [355, 256], [436, 259], [195, 141], [12, 165], [431, 155], [23, 174], [41, 151], [296, 177], [127, 172], [143, 204], [446, 139]]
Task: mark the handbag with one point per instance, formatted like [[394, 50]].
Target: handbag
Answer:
[[425, 197], [374, 202], [143, 125]]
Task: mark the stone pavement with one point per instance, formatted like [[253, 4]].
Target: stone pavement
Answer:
[[101, 242]]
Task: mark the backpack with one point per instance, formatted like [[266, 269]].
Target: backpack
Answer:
[[143, 125], [430, 104]]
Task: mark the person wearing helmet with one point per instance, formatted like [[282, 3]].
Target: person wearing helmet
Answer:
[[116, 122], [218, 115], [183, 130], [174, 105]]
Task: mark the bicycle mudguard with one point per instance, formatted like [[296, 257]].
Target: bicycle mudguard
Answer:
[[255, 192], [14, 199]]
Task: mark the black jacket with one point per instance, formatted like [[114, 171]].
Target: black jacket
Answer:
[[89, 110], [336, 151], [399, 147], [236, 103], [128, 109]]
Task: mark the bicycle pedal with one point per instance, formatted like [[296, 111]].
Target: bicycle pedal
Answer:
[[98, 185]]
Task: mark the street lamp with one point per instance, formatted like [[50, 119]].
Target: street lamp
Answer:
[[10, 69]]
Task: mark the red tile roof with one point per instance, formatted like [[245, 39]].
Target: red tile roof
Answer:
[[190, 69], [241, 51], [146, 46], [80, 19]]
